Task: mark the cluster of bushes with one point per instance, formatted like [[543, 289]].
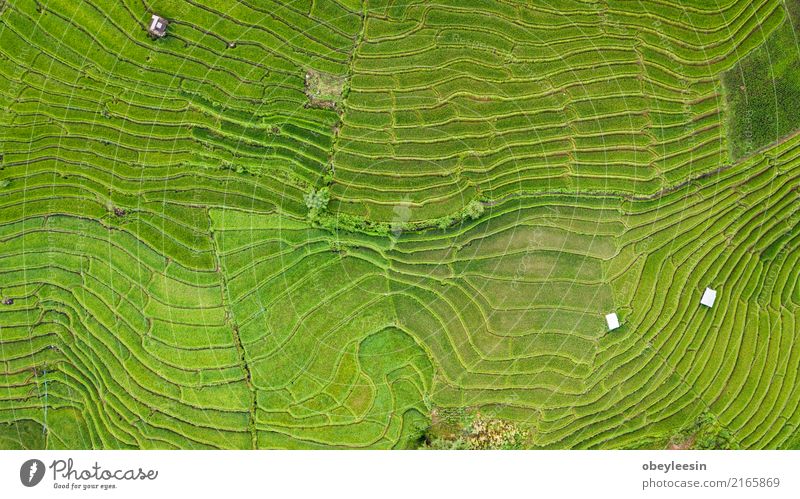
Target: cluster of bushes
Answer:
[[460, 429], [317, 200], [705, 433], [473, 210]]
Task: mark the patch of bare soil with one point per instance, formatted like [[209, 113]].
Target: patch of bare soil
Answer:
[[682, 445], [324, 90]]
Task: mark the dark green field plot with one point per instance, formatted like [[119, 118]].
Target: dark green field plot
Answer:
[[379, 224], [764, 89]]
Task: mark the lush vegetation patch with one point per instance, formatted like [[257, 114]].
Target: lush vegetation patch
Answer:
[[705, 433], [463, 429]]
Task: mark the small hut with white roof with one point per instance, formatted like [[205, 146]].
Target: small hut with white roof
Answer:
[[158, 27], [709, 297]]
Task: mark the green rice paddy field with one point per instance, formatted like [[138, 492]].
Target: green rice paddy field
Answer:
[[396, 223]]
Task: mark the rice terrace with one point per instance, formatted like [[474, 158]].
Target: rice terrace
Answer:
[[393, 224]]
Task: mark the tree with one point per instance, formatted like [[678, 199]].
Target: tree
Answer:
[[474, 209]]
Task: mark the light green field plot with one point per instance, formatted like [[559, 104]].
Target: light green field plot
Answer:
[[499, 176]]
